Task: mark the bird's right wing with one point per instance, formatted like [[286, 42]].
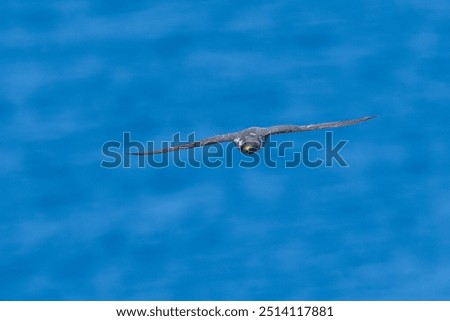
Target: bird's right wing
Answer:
[[203, 142]]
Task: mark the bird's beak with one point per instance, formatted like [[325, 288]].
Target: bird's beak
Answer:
[[250, 149], [247, 148]]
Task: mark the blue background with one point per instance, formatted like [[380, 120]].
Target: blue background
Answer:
[[75, 74]]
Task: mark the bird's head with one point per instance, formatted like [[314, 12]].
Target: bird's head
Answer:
[[250, 147]]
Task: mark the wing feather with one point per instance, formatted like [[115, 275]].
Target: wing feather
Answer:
[[203, 142], [283, 129]]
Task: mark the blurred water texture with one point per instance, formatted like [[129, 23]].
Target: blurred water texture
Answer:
[[76, 74]]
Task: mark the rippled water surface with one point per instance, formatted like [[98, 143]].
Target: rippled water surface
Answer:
[[76, 74]]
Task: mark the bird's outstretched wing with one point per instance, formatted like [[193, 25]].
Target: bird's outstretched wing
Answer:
[[203, 142], [282, 129]]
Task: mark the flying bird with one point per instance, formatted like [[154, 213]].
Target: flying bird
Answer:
[[250, 140]]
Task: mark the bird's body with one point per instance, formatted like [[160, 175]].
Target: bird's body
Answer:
[[251, 139]]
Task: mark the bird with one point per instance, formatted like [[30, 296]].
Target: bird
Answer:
[[252, 139]]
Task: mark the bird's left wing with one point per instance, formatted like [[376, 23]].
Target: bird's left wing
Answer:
[[282, 129], [203, 142]]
